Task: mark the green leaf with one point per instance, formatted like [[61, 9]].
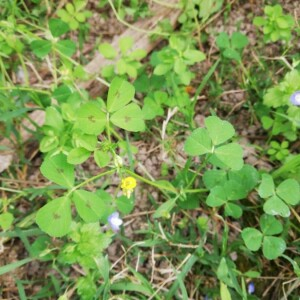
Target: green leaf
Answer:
[[129, 118], [234, 190], [125, 44], [125, 205], [41, 47], [198, 143], [233, 210], [218, 130], [137, 54], [66, 47], [193, 56], [6, 219], [275, 206], [48, 143], [273, 247], [270, 225], [54, 119], [216, 197], [231, 155], [102, 158], [151, 109], [62, 93], [58, 27], [289, 191], [252, 238], [224, 292], [212, 178], [232, 54], [107, 50], [78, 156], [266, 188], [120, 93], [259, 21], [222, 40], [55, 217], [162, 69], [90, 118], [56, 169], [247, 175], [88, 205], [165, 209], [239, 40]]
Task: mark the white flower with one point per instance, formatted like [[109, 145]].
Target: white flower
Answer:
[[114, 221]]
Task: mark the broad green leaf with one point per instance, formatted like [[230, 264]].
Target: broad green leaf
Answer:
[[86, 141], [66, 47], [125, 44], [289, 191], [48, 143], [218, 130], [222, 40], [107, 50], [55, 217], [137, 54], [124, 204], [62, 93], [56, 169], [162, 69], [270, 225], [231, 155], [275, 206], [273, 247], [252, 238], [6, 219], [151, 109], [102, 158], [266, 188], [88, 205], [259, 21], [78, 156], [193, 56], [216, 197], [120, 93], [234, 190], [129, 118], [247, 175], [239, 40], [90, 118], [58, 27], [212, 178], [41, 47], [233, 210], [232, 54], [54, 119], [198, 143]]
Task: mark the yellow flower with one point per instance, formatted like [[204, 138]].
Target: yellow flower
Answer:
[[127, 185]]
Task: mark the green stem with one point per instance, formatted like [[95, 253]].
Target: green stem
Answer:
[[23, 89], [89, 180], [163, 187]]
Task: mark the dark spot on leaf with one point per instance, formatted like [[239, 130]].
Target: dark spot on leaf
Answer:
[[92, 119], [56, 216], [118, 94], [60, 171], [88, 205], [127, 119]]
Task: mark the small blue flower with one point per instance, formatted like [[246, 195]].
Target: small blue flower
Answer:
[[114, 221], [251, 288], [295, 98]]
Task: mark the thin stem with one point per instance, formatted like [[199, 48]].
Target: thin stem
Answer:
[[131, 26], [89, 180]]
